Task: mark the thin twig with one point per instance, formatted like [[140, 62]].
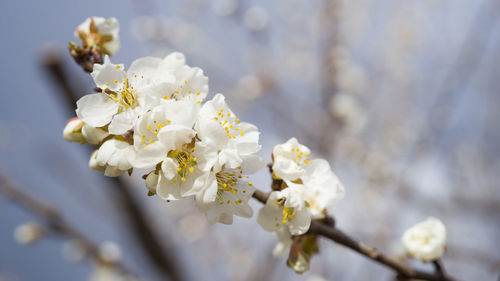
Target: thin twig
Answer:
[[55, 222], [338, 236]]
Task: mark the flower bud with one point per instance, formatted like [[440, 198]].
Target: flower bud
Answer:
[[300, 264], [73, 131], [93, 135], [28, 233], [152, 182], [93, 163], [426, 240], [110, 252]]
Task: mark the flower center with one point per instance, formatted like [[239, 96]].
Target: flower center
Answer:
[[126, 96], [152, 132], [229, 184], [186, 162], [288, 212], [229, 123], [183, 90], [299, 156]]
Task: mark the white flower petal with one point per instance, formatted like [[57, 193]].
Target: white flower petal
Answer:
[[251, 164], [94, 135], [301, 222], [149, 156], [122, 122], [95, 109], [108, 75], [174, 136], [169, 168]]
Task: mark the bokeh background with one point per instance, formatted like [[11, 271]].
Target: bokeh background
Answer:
[[402, 97]]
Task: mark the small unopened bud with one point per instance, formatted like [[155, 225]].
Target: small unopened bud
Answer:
[[300, 264], [73, 130], [152, 182], [110, 252], [93, 135], [28, 233], [94, 165], [74, 50]]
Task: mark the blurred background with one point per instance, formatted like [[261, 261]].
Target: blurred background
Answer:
[[400, 96]]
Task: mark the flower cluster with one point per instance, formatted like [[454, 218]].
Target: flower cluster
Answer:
[[304, 189], [152, 116]]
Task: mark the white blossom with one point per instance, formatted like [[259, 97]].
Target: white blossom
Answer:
[[112, 158], [221, 131], [165, 135], [226, 192], [290, 160], [319, 187], [121, 101], [426, 240], [171, 78], [100, 32], [73, 131], [285, 208]]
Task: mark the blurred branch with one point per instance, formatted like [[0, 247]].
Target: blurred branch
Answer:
[[439, 268], [167, 265], [338, 236], [54, 221]]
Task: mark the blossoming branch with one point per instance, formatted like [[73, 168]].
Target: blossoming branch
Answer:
[[154, 115]]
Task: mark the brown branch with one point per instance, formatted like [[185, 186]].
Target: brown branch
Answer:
[[338, 236], [55, 222], [155, 248]]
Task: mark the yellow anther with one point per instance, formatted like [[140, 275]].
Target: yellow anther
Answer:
[[148, 127], [107, 83], [183, 179], [250, 184], [307, 161], [237, 120], [117, 67], [151, 140], [191, 170], [116, 81], [242, 132], [197, 93]]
